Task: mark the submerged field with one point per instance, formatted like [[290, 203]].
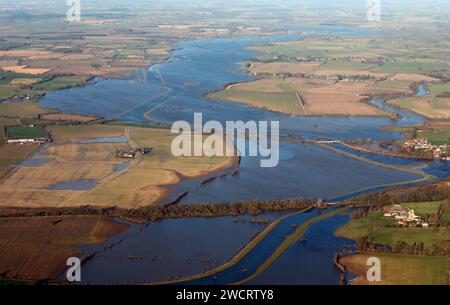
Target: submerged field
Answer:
[[71, 172]]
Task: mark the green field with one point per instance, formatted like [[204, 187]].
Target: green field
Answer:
[[7, 77], [424, 208], [61, 82], [411, 67], [273, 94], [25, 132], [346, 65], [436, 137], [383, 231], [402, 269]]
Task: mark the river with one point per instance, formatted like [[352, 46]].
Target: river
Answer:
[[305, 170]]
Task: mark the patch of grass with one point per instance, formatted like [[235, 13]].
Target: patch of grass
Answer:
[[21, 109], [17, 132], [424, 208], [346, 65], [446, 217]]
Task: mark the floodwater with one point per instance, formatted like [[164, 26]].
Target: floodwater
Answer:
[[170, 249], [78, 185], [181, 247]]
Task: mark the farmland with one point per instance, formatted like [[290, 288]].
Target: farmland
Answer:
[[432, 106], [23, 240], [400, 269], [304, 97], [144, 182], [20, 132]]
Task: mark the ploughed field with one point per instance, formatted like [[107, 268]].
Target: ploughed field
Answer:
[[37, 248]]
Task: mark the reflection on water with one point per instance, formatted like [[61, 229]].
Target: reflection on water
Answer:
[[301, 263], [33, 162]]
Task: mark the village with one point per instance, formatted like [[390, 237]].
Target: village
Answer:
[[424, 148], [405, 216]]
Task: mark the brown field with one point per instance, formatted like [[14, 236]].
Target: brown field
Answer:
[[37, 248], [21, 109], [67, 117], [25, 70], [284, 67], [400, 269], [24, 82], [318, 96], [329, 102], [23, 53], [146, 181]]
